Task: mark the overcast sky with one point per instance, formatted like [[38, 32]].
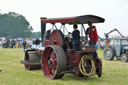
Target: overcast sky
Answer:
[[114, 11]]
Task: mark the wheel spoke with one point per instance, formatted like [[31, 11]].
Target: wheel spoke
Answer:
[[50, 56], [49, 66], [53, 70], [52, 63], [54, 55], [49, 69], [53, 58]]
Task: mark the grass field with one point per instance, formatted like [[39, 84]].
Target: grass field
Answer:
[[13, 73]]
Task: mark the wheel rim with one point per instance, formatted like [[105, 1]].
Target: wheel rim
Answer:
[[53, 62], [108, 53]]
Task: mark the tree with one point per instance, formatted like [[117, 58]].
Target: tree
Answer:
[[36, 34], [14, 25]]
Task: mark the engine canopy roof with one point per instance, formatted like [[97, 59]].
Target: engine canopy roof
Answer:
[[74, 20]]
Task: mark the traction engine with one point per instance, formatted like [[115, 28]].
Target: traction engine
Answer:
[[56, 58]]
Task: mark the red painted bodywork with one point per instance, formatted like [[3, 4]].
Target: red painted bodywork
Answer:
[[46, 42], [54, 57], [73, 58], [76, 58], [57, 38]]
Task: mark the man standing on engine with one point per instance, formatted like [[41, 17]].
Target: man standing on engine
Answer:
[[76, 38], [92, 32]]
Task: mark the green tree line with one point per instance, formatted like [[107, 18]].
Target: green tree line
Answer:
[[15, 25]]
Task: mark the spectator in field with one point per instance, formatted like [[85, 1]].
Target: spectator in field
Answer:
[[92, 32], [17, 44], [4, 44], [24, 44], [13, 43], [7, 44], [75, 38], [20, 43]]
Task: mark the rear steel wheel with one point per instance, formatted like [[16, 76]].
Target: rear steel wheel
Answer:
[[53, 62]]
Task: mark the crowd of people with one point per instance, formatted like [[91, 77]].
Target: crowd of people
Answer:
[[15, 43]]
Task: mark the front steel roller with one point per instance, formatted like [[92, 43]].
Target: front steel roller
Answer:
[[31, 60], [53, 62]]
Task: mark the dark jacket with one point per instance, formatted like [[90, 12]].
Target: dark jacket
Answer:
[[76, 37]]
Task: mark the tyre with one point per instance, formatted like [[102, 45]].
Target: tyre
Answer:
[[109, 53], [124, 58]]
